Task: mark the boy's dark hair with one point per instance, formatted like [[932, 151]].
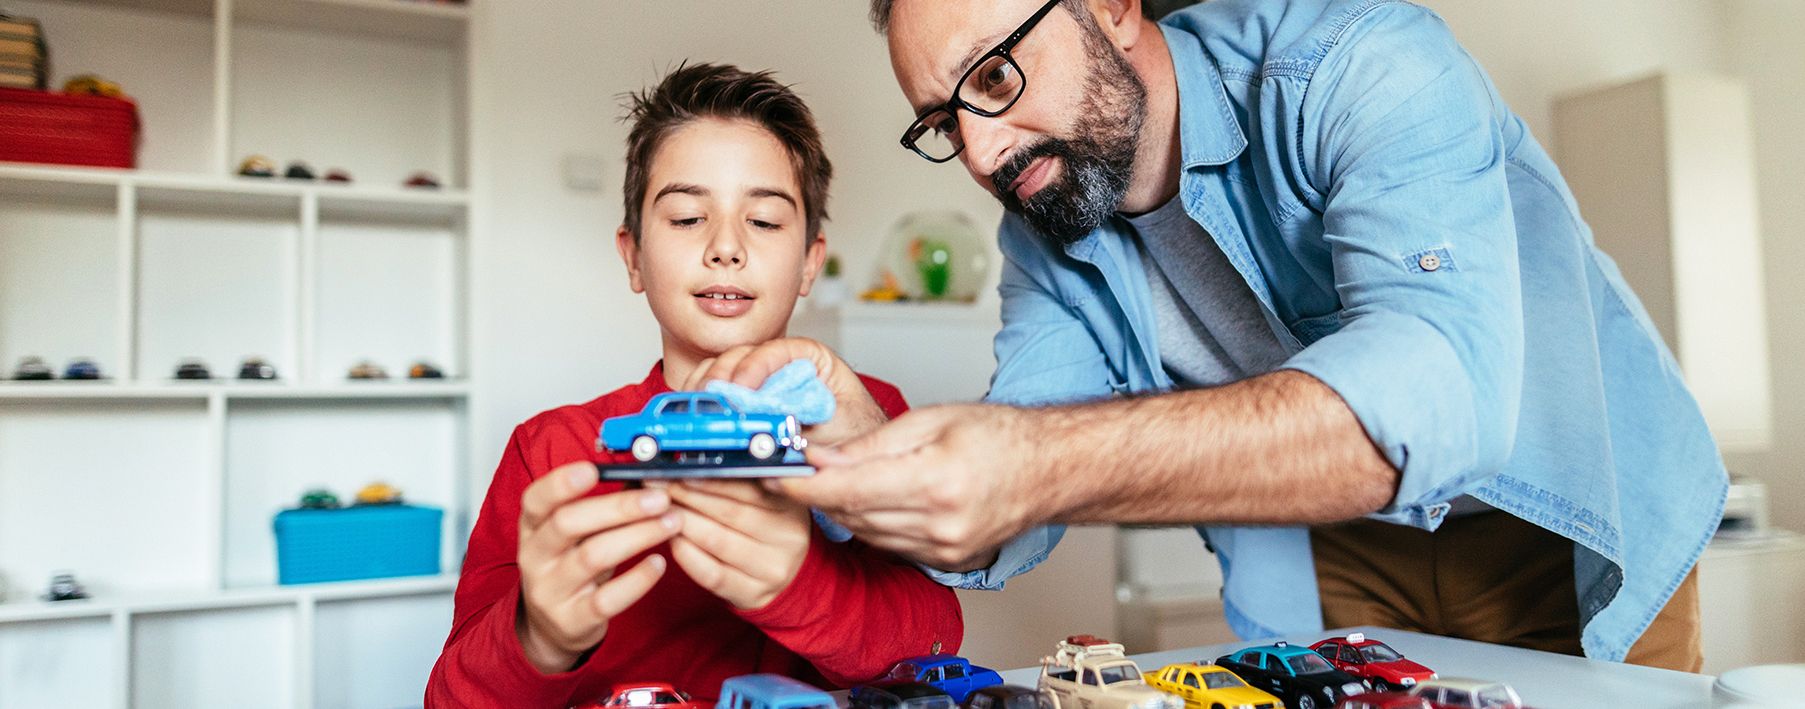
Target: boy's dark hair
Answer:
[[696, 91]]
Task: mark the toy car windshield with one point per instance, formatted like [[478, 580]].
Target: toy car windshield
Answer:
[[1308, 664], [1380, 652], [1221, 680], [1118, 673]]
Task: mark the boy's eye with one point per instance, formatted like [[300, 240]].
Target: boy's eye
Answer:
[[686, 223], [767, 226]]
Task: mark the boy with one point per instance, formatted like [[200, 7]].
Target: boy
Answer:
[[566, 589]]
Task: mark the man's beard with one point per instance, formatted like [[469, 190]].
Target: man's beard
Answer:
[[1097, 161]]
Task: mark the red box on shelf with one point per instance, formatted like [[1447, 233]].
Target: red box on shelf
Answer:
[[60, 129]]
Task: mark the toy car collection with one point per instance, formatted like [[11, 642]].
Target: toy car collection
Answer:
[[647, 695], [367, 370], [82, 369], [765, 691], [63, 587], [192, 369], [1296, 674], [378, 493], [319, 498], [298, 170], [699, 423], [337, 175], [257, 166], [1461, 693], [32, 369], [955, 675], [1210, 687], [898, 694], [1009, 696], [422, 180], [1372, 660], [1091, 672], [1384, 700], [424, 370], [254, 368]]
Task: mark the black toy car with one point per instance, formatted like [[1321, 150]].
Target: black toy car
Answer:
[[63, 587], [424, 370], [82, 369], [298, 170], [257, 369], [193, 369], [1295, 674], [1008, 696], [898, 694], [33, 369]]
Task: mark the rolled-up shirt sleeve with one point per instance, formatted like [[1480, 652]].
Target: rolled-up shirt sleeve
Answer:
[[1403, 144]]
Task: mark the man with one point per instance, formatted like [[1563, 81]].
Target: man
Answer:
[[1276, 264]]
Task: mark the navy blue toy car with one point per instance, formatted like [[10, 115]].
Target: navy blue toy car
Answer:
[[1295, 674], [767, 691], [82, 369], [953, 674], [898, 694], [690, 422]]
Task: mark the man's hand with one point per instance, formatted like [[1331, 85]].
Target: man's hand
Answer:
[[739, 541], [944, 486], [855, 412], [569, 548]]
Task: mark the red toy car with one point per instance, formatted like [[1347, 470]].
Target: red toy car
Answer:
[[649, 695], [1370, 659]]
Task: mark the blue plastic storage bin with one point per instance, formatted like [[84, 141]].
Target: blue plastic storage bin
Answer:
[[367, 542]]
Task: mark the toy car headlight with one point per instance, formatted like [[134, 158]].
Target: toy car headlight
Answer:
[[1408, 682]]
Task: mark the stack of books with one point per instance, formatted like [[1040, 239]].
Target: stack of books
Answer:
[[23, 61]]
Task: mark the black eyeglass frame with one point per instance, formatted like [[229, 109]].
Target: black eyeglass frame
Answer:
[[953, 105]]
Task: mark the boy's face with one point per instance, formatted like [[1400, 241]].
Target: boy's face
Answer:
[[723, 252]]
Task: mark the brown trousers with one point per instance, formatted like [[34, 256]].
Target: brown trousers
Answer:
[[1488, 576]]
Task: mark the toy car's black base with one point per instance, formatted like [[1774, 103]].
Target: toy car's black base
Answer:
[[676, 471]]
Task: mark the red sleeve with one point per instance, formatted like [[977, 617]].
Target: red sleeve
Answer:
[[483, 663], [882, 608]]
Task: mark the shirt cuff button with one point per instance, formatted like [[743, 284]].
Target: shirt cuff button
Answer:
[[1429, 262]]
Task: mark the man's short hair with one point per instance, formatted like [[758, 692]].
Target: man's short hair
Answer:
[[696, 91], [1151, 9]]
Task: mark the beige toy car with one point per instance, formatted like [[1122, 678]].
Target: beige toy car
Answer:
[[1092, 673]]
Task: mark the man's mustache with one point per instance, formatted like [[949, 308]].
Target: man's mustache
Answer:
[[1005, 176]]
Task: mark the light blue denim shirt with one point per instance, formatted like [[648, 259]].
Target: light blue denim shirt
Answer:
[[1421, 255]]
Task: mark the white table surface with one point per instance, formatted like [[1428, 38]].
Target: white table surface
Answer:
[[1545, 680]]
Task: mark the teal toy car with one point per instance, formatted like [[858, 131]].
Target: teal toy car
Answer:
[[690, 423]]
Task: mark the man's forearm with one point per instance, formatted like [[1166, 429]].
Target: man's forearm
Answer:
[[1281, 448]]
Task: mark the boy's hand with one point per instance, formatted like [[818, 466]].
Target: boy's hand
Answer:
[[855, 412], [738, 541], [569, 547]]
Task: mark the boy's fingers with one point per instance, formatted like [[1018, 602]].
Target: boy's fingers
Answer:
[[722, 366], [698, 376], [709, 572], [617, 594], [601, 553], [574, 521], [563, 484], [752, 367], [721, 541], [747, 492]]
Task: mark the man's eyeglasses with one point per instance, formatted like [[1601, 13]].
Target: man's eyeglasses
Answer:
[[988, 88]]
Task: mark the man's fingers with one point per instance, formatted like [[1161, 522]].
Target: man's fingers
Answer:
[[891, 483], [697, 376], [575, 520], [563, 484], [907, 433], [617, 594]]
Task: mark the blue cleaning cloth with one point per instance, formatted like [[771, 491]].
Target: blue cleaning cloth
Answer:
[[795, 390]]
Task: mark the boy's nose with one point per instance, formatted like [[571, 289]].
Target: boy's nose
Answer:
[[725, 249]]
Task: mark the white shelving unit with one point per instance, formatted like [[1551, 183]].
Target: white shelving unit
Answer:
[[159, 494]]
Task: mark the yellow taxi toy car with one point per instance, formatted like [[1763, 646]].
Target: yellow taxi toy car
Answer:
[[1210, 687], [378, 493]]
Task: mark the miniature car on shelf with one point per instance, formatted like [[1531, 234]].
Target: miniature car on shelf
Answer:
[[1210, 687], [699, 422], [33, 369], [193, 369], [1461, 693], [1384, 700], [423, 180], [1372, 660], [1295, 674], [93, 85], [898, 694], [424, 370], [319, 498], [298, 170], [337, 175], [367, 370], [1009, 696], [254, 368], [1090, 672], [257, 166], [767, 691], [953, 674], [63, 587], [647, 695], [82, 369], [378, 493]]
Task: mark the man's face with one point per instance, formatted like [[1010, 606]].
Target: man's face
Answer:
[[1063, 155], [722, 255]]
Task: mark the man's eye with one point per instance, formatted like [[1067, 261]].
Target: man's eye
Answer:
[[947, 126]]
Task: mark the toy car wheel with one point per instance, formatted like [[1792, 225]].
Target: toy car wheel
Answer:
[[762, 446], [645, 448], [1305, 701]]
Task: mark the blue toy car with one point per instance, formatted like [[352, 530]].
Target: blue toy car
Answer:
[[693, 422], [771, 692], [82, 369], [953, 674]]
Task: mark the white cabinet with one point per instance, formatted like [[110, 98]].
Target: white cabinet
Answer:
[[159, 494]]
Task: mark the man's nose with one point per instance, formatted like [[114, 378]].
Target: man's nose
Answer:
[[987, 144]]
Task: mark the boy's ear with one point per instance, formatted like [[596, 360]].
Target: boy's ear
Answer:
[[629, 253], [811, 264]]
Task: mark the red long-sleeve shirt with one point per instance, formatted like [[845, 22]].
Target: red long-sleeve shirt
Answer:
[[850, 612]]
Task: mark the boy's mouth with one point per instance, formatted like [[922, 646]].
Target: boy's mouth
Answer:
[[724, 301]]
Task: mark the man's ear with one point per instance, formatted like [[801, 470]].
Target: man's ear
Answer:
[[811, 263], [1121, 20], [629, 254]]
